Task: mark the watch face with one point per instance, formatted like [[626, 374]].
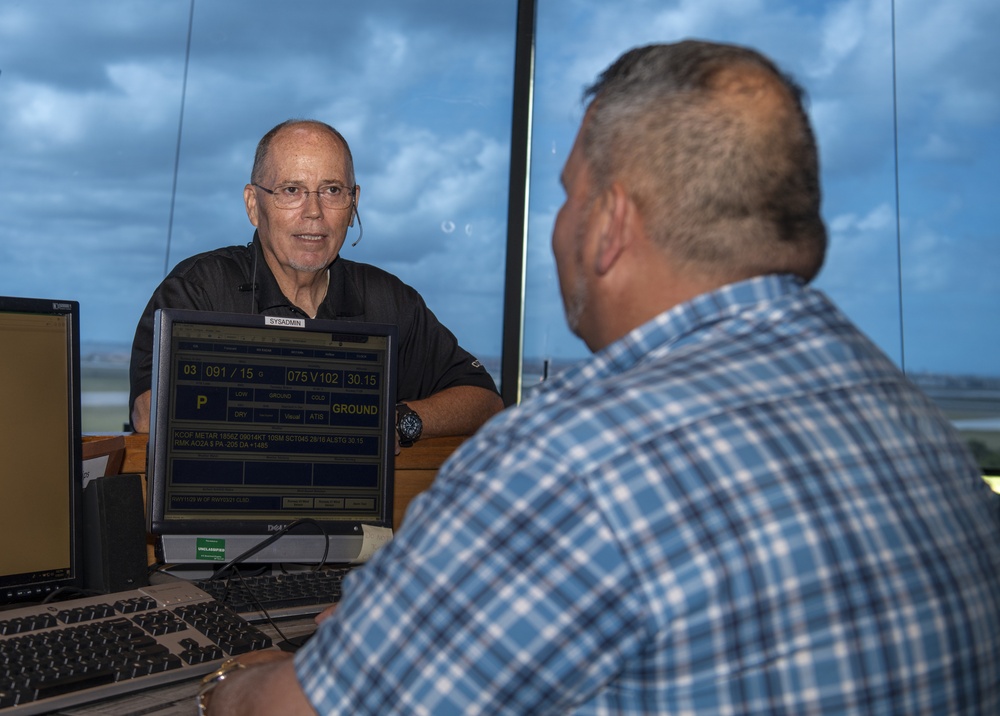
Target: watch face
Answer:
[[409, 426]]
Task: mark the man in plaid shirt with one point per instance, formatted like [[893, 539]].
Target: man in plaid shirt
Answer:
[[738, 505]]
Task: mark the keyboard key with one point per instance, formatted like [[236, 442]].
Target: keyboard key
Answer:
[[56, 685]]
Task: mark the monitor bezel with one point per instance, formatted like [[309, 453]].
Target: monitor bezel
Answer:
[[35, 586], [161, 527]]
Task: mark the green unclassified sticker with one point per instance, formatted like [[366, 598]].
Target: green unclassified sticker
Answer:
[[210, 548]]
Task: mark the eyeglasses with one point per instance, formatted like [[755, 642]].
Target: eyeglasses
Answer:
[[331, 196]]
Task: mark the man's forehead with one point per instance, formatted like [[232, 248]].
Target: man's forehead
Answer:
[[296, 145], [307, 136]]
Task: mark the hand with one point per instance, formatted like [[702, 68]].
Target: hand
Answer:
[[269, 686], [325, 614], [140, 412]]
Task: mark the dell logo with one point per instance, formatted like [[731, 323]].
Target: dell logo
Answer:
[[275, 528]]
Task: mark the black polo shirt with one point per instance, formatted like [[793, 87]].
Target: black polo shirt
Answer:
[[231, 280]]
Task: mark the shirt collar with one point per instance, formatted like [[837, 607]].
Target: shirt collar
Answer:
[[677, 327]]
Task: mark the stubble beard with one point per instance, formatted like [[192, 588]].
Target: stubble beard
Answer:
[[307, 268], [575, 300]]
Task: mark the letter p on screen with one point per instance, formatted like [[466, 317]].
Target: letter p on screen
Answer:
[[200, 401]]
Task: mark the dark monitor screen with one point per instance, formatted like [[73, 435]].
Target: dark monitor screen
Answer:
[[258, 421], [40, 452]]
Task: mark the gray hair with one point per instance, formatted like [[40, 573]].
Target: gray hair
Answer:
[[713, 144]]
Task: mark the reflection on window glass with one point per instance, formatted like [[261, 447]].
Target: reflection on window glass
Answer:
[[920, 279], [98, 101]]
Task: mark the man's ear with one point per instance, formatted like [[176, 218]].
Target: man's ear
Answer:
[[615, 234], [250, 200]]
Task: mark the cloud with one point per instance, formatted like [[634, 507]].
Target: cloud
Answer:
[[141, 99], [936, 147], [90, 103], [862, 252], [427, 178]]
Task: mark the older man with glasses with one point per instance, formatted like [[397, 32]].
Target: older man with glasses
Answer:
[[302, 198]]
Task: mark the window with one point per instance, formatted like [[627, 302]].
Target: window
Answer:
[[100, 103], [127, 131], [920, 279]]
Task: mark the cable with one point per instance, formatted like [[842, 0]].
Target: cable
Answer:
[[899, 238], [361, 227], [232, 564], [256, 601], [58, 594], [271, 540], [177, 151]]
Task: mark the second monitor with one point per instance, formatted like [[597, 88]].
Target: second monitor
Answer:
[[259, 421]]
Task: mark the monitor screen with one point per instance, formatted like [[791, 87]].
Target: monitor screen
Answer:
[[259, 421], [40, 452]]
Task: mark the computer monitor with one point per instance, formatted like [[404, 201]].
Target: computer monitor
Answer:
[[41, 481], [259, 421]]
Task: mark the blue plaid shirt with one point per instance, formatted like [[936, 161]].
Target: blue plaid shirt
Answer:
[[741, 507]]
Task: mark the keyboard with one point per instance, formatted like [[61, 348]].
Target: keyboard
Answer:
[[280, 595], [63, 654]]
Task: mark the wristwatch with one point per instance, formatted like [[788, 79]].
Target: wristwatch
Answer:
[[209, 683], [409, 426]]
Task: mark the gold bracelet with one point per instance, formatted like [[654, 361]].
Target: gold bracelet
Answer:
[[209, 683]]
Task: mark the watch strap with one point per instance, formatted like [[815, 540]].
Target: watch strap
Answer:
[[403, 412]]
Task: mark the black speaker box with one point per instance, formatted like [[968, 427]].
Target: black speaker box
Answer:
[[114, 527]]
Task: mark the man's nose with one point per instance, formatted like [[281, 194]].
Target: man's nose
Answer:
[[312, 205]]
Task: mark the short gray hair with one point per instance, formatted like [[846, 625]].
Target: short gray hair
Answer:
[[713, 144]]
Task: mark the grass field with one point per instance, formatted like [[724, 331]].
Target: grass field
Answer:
[[109, 412], [105, 419]]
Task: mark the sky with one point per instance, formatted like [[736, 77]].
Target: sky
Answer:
[[948, 98], [96, 111]]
